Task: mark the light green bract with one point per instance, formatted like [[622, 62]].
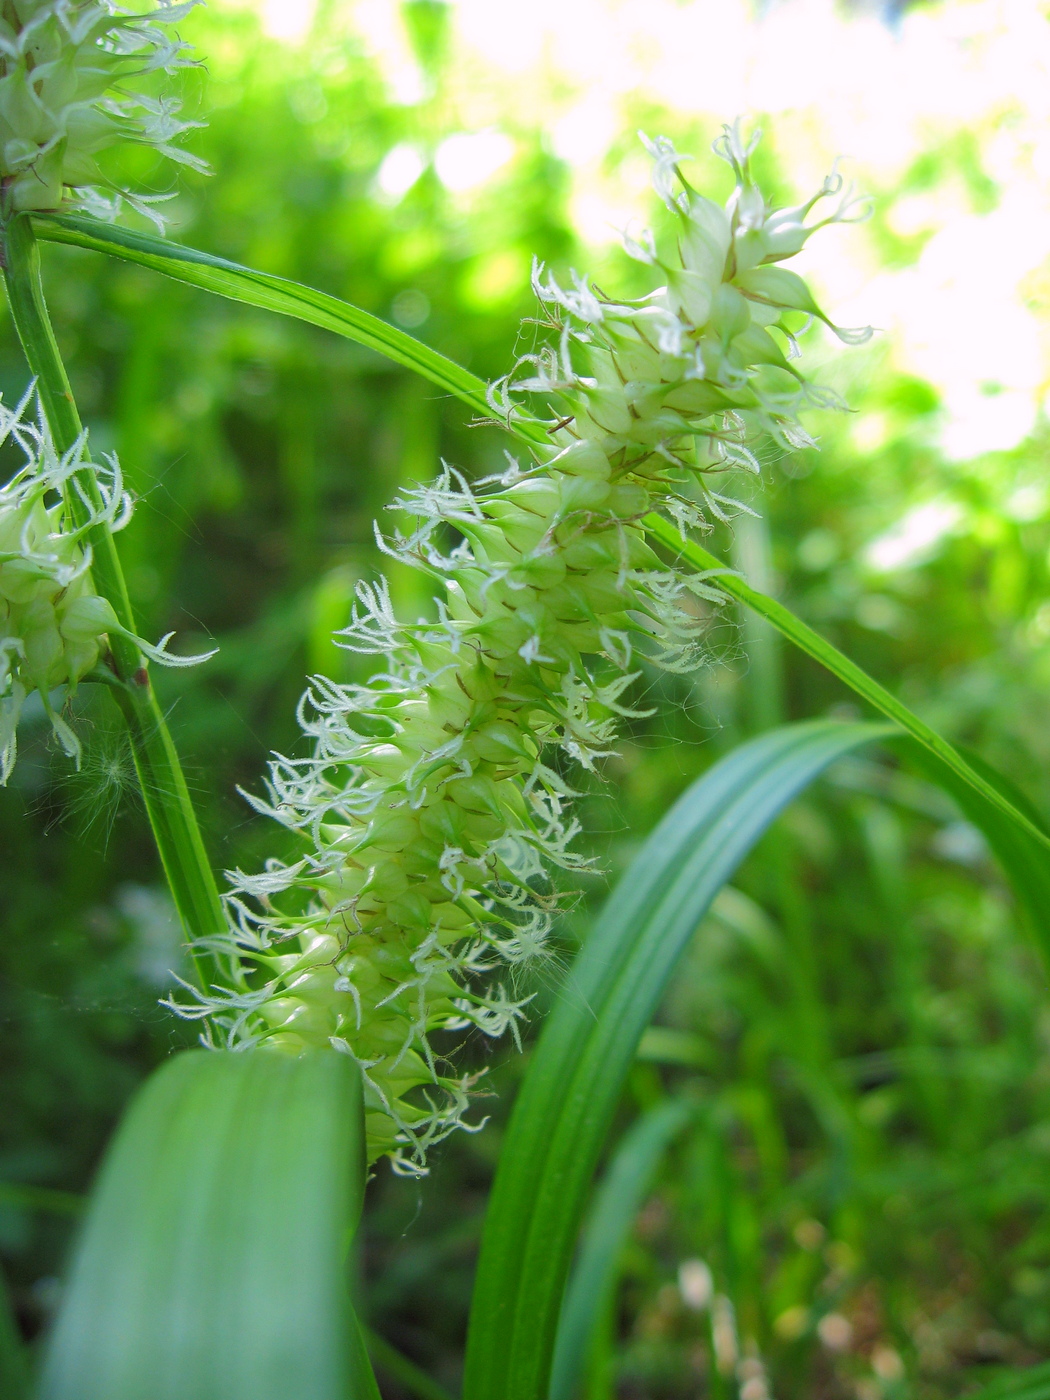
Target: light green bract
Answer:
[[53, 625], [74, 80], [430, 807]]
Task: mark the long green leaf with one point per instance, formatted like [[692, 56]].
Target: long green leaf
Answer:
[[212, 1263], [279, 294], [616, 1204], [833, 660], [583, 1055], [586, 1048]]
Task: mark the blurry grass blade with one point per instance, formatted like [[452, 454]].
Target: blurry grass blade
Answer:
[[616, 1205], [363, 1385], [833, 660], [1033, 1383], [399, 1368], [667, 1045], [212, 1262], [42, 1198], [585, 1051], [14, 1374], [278, 294], [1023, 858]]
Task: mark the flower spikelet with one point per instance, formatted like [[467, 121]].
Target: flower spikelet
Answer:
[[53, 624], [78, 77], [431, 805]]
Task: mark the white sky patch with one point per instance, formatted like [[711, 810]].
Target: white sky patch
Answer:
[[1028, 502], [288, 19], [400, 170], [586, 131], [962, 317], [469, 159], [914, 539]]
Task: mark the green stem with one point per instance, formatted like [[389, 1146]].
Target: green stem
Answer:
[[160, 774]]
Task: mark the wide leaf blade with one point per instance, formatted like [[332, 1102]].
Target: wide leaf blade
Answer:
[[584, 1053], [212, 1262], [587, 1046]]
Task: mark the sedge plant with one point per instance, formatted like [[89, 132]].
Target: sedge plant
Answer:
[[432, 804], [432, 810]]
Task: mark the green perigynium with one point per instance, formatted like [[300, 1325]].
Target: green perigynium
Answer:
[[429, 806], [75, 79], [53, 625]]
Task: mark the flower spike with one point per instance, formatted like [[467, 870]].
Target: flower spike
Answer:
[[75, 80], [430, 807], [53, 626]]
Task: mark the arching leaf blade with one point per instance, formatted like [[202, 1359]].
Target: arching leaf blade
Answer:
[[277, 294], [212, 1262], [616, 1204], [288, 298], [585, 1050]]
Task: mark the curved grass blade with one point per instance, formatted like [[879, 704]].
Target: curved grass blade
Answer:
[[586, 1048], [42, 1198], [279, 294], [616, 1204], [212, 1262], [289, 298], [1033, 1383], [833, 660]]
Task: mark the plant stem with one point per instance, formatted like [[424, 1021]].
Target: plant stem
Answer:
[[160, 774]]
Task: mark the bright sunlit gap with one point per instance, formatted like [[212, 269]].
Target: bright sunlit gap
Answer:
[[288, 19], [962, 309]]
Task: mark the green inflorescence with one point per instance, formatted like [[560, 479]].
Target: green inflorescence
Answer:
[[75, 80], [53, 625], [428, 806]]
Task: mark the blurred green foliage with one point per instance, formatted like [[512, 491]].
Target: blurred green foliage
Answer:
[[862, 1018]]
